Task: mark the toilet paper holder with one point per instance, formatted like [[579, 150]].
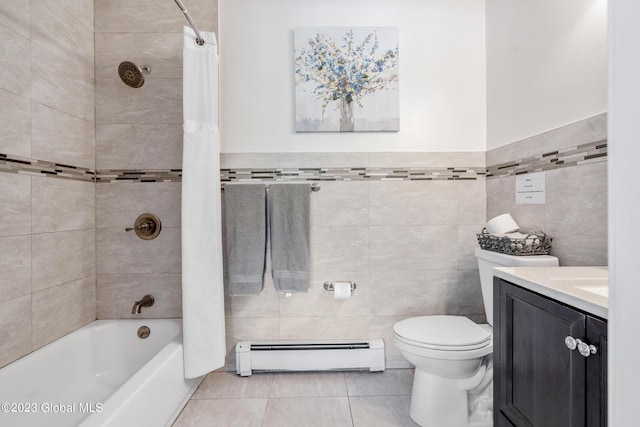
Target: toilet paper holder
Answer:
[[328, 286]]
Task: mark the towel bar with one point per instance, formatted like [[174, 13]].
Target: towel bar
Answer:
[[315, 187]]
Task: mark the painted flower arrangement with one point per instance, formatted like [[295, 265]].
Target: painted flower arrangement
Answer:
[[347, 73]]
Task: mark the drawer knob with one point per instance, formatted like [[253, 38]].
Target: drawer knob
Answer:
[[584, 349]]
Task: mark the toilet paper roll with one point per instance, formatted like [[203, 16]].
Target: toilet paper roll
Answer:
[[341, 290], [502, 224]]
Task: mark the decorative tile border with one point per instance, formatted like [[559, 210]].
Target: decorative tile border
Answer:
[[574, 156], [22, 165], [351, 174], [148, 175]]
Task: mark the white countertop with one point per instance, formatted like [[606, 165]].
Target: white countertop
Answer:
[[585, 288]]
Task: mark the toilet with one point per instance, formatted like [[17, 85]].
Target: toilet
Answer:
[[452, 355]]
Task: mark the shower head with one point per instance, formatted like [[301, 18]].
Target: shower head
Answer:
[[131, 74]]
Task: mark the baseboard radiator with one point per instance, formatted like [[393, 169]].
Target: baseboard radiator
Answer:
[[323, 355]]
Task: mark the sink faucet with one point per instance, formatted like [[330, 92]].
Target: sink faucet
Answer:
[[146, 301]]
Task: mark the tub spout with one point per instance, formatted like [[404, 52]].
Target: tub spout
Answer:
[[146, 301]]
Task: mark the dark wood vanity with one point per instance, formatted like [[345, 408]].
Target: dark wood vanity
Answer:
[[540, 380]]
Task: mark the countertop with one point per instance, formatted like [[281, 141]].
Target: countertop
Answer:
[[585, 288]]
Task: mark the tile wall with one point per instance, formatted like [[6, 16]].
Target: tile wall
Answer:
[[575, 212], [47, 225], [140, 129], [407, 244]]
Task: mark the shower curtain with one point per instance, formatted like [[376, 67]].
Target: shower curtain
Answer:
[[202, 280]]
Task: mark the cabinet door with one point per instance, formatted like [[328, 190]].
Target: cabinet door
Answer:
[[541, 382], [597, 373]]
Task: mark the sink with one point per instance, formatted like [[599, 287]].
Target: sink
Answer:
[[598, 290]]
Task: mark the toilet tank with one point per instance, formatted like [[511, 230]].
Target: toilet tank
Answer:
[[489, 259]]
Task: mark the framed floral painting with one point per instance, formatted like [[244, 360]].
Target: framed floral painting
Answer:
[[346, 79]]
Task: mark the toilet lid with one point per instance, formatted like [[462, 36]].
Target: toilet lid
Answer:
[[444, 332]]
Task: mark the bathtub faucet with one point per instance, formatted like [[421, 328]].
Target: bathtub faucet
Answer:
[[146, 301]]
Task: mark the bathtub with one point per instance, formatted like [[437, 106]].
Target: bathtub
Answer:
[[103, 374]]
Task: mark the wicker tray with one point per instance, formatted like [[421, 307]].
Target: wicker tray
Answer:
[[536, 243]]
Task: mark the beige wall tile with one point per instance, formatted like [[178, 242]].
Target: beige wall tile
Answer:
[[158, 101], [118, 204], [577, 200], [340, 248], [15, 329], [82, 10], [16, 16], [139, 146], [574, 249], [121, 16], [116, 294], [62, 205], [414, 248], [122, 252], [15, 67], [161, 51], [467, 244], [472, 202], [264, 304], [59, 32], [413, 203], [318, 328], [470, 292], [15, 204], [58, 85], [15, 264], [414, 293], [52, 253], [15, 132], [62, 138], [63, 309], [340, 203]]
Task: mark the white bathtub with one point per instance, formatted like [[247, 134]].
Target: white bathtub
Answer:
[[100, 375]]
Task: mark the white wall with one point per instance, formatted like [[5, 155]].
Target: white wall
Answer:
[[546, 65], [442, 74], [624, 203]]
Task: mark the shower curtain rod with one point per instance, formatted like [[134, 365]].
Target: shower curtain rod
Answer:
[[182, 7]]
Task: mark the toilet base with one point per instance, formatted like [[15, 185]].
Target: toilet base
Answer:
[[442, 402]]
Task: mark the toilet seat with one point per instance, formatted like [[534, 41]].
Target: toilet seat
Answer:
[[443, 333]]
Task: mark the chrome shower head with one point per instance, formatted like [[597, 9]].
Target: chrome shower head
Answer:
[[131, 74]]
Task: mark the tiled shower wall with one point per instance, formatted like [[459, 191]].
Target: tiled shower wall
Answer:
[[140, 129], [47, 237], [575, 212]]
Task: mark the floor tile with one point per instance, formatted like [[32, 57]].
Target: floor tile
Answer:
[[309, 384], [381, 411], [222, 384], [308, 412], [392, 382], [222, 413]]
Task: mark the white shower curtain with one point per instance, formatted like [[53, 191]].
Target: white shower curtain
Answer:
[[202, 281]]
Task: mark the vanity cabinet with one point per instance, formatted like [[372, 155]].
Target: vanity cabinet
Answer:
[[539, 381]]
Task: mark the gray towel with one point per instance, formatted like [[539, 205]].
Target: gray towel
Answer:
[[289, 234], [245, 235]]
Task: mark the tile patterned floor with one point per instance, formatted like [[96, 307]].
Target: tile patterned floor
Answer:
[[335, 399]]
